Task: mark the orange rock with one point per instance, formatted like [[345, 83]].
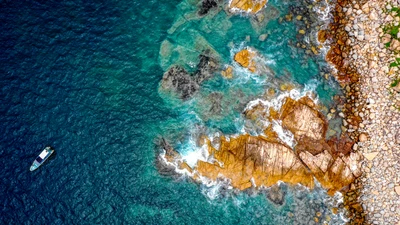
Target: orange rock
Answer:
[[251, 6], [246, 59], [228, 73], [264, 160]]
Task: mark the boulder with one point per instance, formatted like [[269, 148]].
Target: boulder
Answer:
[[206, 6], [245, 58], [302, 120], [370, 156], [250, 6]]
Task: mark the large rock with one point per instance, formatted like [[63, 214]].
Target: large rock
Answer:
[[250, 6], [248, 160]]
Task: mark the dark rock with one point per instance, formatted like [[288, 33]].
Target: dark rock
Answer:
[[179, 80], [205, 69], [162, 166], [276, 195], [215, 99], [206, 6]]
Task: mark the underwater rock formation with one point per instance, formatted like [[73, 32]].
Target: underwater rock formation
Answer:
[[250, 6], [184, 84], [261, 161], [206, 6]]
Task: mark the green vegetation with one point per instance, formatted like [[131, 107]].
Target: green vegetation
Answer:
[[395, 64], [395, 83], [396, 9]]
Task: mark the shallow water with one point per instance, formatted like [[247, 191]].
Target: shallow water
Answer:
[[83, 77]]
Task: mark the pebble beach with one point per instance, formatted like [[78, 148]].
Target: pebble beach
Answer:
[[372, 115]]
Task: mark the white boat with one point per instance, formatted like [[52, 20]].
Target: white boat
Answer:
[[44, 155]]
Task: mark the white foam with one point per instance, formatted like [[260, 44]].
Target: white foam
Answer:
[[192, 157], [284, 135]]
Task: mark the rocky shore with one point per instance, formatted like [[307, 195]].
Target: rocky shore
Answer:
[[364, 163], [364, 41]]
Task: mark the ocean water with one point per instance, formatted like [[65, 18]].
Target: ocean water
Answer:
[[83, 77]]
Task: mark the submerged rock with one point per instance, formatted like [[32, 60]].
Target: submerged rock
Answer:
[[184, 84], [205, 69], [206, 6], [180, 81], [276, 195], [228, 73]]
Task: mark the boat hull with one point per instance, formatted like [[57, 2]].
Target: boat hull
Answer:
[[44, 155]]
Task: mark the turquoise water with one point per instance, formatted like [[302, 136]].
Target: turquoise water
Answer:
[[84, 77]]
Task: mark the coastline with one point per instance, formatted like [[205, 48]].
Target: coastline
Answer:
[[371, 114]]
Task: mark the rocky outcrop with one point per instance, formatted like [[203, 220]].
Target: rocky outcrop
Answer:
[[246, 58], [250, 6], [261, 161], [206, 6], [184, 84]]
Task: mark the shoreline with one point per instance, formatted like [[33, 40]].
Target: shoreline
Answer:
[[371, 119]]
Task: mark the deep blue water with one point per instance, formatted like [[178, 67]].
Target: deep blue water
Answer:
[[83, 76]]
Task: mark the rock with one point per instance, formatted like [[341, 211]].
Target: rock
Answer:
[[370, 156], [397, 190], [250, 6], [206, 6], [397, 87], [215, 99], [299, 17], [206, 68], [228, 73], [178, 80], [262, 37], [276, 195], [256, 161], [373, 16], [303, 121], [247, 158], [363, 137], [245, 58], [394, 44], [302, 31], [386, 38], [322, 36]]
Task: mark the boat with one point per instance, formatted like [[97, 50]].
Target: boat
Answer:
[[43, 156]]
